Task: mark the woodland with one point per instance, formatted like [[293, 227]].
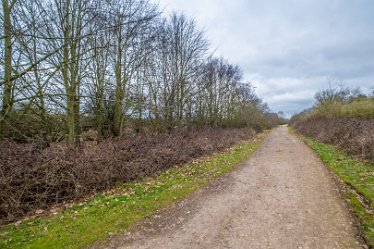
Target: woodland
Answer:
[[97, 93]]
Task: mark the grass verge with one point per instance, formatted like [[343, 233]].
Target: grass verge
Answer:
[[108, 213], [360, 178]]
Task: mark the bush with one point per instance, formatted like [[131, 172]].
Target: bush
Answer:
[[354, 135], [31, 180], [362, 108]]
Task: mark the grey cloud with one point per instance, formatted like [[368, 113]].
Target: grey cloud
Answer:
[[293, 47]]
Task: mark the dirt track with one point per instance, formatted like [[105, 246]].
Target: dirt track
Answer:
[[283, 197]]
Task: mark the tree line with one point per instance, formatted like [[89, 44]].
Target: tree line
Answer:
[[69, 65], [339, 102]]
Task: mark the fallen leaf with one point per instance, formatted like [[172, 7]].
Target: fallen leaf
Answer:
[[39, 211]]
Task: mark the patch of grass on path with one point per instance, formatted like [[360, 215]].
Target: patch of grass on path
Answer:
[[359, 175], [113, 211]]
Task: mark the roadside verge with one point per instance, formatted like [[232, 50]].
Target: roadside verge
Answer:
[[358, 184]]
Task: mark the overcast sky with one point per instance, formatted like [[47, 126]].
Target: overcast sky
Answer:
[[290, 49]]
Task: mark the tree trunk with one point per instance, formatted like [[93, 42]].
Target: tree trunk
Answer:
[[118, 115], [7, 87], [69, 86]]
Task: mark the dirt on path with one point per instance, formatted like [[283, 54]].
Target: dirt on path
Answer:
[[283, 197]]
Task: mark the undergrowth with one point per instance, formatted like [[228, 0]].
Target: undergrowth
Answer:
[[37, 180], [113, 211], [353, 135], [359, 176]]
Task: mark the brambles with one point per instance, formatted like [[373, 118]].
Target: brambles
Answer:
[[31, 181], [354, 135], [111, 211]]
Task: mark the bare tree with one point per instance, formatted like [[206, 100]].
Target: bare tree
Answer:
[[7, 103], [180, 51], [131, 19], [104, 62]]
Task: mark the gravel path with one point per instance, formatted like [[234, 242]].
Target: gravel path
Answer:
[[283, 197]]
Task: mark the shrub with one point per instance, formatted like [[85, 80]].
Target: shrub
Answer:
[[363, 108], [354, 135], [32, 180]]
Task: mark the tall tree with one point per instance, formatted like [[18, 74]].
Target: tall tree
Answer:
[[7, 99], [131, 19], [68, 31], [181, 51]]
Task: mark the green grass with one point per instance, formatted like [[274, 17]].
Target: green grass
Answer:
[[114, 211], [359, 175]]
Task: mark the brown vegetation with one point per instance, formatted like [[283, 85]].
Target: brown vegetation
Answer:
[[341, 117], [33, 179], [354, 135]]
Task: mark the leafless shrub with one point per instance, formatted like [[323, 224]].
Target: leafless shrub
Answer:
[[354, 135], [30, 181]]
